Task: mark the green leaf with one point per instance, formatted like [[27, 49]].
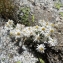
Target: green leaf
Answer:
[[33, 18], [41, 61], [18, 62], [58, 5], [61, 13], [26, 15], [28, 9]]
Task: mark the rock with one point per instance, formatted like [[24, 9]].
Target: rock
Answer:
[[24, 1], [36, 2], [62, 1]]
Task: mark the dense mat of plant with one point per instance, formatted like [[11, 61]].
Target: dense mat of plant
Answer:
[[40, 36]]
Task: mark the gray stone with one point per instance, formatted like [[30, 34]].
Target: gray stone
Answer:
[[0, 39], [62, 1]]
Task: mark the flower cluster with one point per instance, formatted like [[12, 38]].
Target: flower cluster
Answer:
[[9, 25], [41, 34]]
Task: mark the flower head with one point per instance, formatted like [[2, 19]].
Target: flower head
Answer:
[[12, 33], [37, 38], [19, 26], [10, 22], [52, 42], [40, 48], [43, 28], [8, 27], [18, 33]]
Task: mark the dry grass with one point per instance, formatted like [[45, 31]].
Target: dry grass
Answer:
[[7, 8]]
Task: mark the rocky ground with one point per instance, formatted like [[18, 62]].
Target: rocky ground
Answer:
[[41, 9]]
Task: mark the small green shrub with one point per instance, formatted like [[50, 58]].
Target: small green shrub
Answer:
[[24, 16]]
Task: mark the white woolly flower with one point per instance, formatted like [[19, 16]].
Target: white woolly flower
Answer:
[[10, 22], [9, 25], [18, 33], [47, 34], [37, 38], [28, 31], [36, 28], [52, 25], [48, 27], [51, 30], [19, 26], [12, 33], [43, 29], [40, 48], [52, 42], [42, 23], [22, 26], [49, 24], [31, 31]]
